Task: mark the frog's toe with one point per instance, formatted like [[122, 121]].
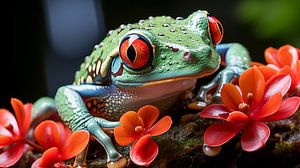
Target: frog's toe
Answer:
[[197, 105], [200, 102], [216, 98], [122, 162]]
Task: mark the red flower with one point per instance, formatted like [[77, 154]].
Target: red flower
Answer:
[[247, 107], [137, 128], [60, 143], [286, 55], [13, 132]]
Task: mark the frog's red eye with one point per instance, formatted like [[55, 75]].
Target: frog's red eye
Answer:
[[136, 51], [216, 29]]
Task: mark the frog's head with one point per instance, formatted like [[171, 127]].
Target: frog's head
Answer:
[[163, 49]]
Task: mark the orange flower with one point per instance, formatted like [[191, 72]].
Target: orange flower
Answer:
[[137, 128], [286, 55], [60, 143], [247, 107], [13, 132]]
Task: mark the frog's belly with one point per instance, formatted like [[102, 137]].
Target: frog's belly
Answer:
[[121, 100]]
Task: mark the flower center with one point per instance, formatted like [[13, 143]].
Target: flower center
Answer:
[[244, 107], [138, 129]]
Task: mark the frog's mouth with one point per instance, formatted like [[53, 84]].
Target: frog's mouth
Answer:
[[163, 81]]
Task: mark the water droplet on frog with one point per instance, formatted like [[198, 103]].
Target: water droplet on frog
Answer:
[[147, 28], [169, 17], [161, 34], [166, 25], [101, 44], [122, 26], [179, 18], [170, 63], [110, 32], [150, 17], [172, 30], [96, 46], [141, 21], [163, 57], [130, 28], [151, 25], [86, 58], [182, 28]]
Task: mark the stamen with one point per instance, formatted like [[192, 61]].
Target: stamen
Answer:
[[244, 107], [250, 97], [138, 129]]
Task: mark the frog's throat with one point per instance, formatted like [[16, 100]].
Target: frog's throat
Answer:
[[163, 81]]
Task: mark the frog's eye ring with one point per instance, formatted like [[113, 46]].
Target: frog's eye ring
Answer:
[[216, 29], [136, 51]]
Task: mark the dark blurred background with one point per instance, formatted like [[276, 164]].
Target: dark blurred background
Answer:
[[51, 37]]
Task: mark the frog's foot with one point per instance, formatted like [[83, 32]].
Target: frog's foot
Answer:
[[225, 76], [114, 159], [122, 162]]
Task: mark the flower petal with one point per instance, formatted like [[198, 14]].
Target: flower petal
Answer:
[[76, 143], [123, 137], [130, 120], [162, 126], [50, 157], [36, 164], [7, 118], [237, 116], [27, 118], [252, 81], [216, 111], [64, 131], [269, 108], [218, 134], [10, 156], [48, 135], [287, 55], [294, 76], [278, 83], [5, 136], [271, 56], [298, 71], [255, 136], [5, 140], [267, 71], [231, 96], [288, 107], [144, 151], [23, 115], [149, 114]]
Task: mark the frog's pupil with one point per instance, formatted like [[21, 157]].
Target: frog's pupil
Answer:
[[131, 54]]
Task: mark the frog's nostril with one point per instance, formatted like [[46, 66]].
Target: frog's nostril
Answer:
[[187, 57]]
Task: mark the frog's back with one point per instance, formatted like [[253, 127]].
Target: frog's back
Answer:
[[90, 69]]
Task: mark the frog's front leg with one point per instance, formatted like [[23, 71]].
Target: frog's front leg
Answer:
[[237, 60], [74, 112]]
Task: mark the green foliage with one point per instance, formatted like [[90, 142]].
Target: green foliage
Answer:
[[272, 19]]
